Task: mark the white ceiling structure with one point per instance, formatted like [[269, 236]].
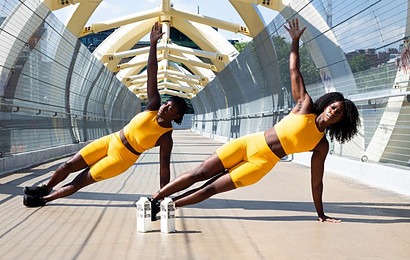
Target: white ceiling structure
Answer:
[[173, 78]]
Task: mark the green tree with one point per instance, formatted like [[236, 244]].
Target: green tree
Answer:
[[307, 66], [240, 45], [282, 49], [359, 63]]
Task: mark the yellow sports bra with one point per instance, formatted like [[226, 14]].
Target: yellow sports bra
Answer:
[[143, 131], [298, 133]]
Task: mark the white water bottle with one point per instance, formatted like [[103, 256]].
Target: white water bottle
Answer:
[[167, 216], [143, 215]]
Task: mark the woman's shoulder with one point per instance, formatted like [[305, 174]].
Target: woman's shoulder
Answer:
[[150, 111], [302, 115], [145, 114]]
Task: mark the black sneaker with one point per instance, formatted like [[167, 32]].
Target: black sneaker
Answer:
[[39, 191], [33, 201], [155, 209]]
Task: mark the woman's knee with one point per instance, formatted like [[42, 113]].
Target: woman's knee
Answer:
[[68, 166], [208, 191], [202, 173], [198, 174], [76, 163], [83, 179], [208, 168]]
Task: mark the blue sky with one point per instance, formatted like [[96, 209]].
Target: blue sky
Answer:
[[220, 9]]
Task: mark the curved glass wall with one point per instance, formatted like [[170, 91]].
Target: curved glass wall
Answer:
[[359, 48], [52, 89]]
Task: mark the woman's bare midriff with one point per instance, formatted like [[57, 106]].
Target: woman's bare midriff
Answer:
[[273, 142]]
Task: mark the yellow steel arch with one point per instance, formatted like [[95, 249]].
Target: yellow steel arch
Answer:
[[123, 39], [133, 28], [83, 11], [250, 15], [80, 16]]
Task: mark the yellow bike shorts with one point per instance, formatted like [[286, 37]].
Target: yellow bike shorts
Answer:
[[107, 157], [247, 158]]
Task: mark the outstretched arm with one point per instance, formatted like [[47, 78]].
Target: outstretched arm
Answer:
[[154, 99], [299, 93], [317, 170]]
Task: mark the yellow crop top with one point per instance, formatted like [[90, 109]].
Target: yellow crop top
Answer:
[[143, 131], [298, 133]]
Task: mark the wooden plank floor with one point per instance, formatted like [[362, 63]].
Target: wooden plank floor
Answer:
[[273, 219]]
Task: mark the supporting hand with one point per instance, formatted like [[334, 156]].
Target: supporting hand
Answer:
[[293, 29], [325, 218]]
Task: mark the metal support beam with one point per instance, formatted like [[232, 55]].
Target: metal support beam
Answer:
[[169, 85], [165, 12], [114, 23], [206, 54], [175, 75], [232, 27], [161, 47], [272, 4], [55, 5], [175, 93], [192, 62]]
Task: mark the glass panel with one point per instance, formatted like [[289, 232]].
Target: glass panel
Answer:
[[359, 49], [53, 90]]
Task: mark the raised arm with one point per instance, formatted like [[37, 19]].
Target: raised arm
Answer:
[[317, 171], [154, 99], [299, 93]]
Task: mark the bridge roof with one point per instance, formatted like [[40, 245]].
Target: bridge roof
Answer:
[[183, 71]]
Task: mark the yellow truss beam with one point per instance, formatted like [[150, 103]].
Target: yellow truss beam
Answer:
[[166, 13], [161, 47]]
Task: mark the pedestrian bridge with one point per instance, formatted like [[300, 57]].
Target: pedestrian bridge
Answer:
[[272, 219], [56, 96]]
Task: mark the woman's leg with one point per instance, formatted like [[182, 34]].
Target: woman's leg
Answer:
[[218, 184], [110, 166], [209, 168], [107, 157], [74, 164], [197, 189], [83, 179], [87, 156]]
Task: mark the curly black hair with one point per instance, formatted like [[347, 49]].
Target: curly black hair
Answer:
[[182, 107], [345, 129]]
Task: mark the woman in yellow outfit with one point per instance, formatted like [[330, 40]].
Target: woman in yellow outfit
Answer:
[[113, 154], [246, 160]]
